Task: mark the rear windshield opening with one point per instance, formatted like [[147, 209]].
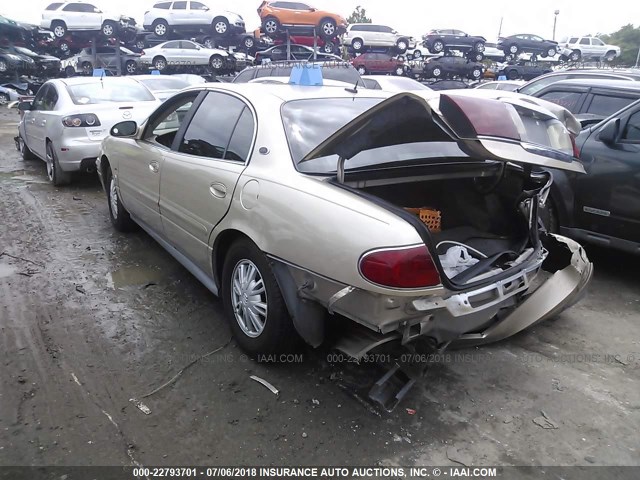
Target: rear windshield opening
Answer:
[[111, 91]]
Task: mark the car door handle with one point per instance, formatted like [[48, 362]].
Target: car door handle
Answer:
[[154, 166], [218, 190]]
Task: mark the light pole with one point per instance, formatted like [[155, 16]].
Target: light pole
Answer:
[[555, 19]]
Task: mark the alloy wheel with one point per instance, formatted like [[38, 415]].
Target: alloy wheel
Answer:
[[438, 46], [513, 49], [49, 156], [271, 26], [160, 30], [221, 27], [108, 30], [217, 63], [402, 45], [4, 99], [59, 31], [357, 45], [329, 29], [160, 64], [249, 298], [113, 198]]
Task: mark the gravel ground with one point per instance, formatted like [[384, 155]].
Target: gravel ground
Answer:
[[90, 318]]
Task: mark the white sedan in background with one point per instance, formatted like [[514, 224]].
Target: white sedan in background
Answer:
[[392, 83], [65, 123], [162, 86], [184, 53]]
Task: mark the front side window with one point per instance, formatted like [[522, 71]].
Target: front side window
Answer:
[[54, 6], [199, 6], [73, 7], [573, 40], [210, 131], [632, 129], [584, 41], [597, 41], [568, 100], [606, 105], [188, 45], [164, 127]]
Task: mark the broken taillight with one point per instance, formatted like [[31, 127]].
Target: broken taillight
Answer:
[[410, 267]]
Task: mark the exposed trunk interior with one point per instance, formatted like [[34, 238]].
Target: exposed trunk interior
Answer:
[[480, 208]]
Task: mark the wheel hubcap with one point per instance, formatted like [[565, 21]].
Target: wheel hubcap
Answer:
[[3, 99], [357, 45], [438, 46], [107, 30], [270, 27], [216, 63], [248, 43], [249, 298], [513, 49], [329, 28], [161, 29], [113, 199], [160, 65], [59, 31], [50, 164], [402, 46], [436, 72], [131, 68], [221, 27]]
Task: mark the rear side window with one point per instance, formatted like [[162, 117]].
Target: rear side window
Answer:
[[179, 5], [210, 132], [632, 129], [54, 6], [584, 41], [606, 105], [163, 5], [573, 39], [568, 100]]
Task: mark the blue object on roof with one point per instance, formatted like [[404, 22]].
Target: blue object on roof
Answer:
[[502, 77], [99, 72], [306, 75], [155, 72]]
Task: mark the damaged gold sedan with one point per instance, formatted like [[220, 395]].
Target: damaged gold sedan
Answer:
[[410, 216]]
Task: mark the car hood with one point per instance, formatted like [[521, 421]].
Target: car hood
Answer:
[[506, 128]]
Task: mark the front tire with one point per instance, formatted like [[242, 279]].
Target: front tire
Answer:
[[402, 46], [87, 68], [56, 175], [513, 75], [216, 62], [120, 218], [436, 72], [160, 63], [109, 29], [253, 302], [437, 47], [575, 56], [399, 71], [131, 67], [476, 73], [220, 26], [357, 45], [271, 26], [328, 28]]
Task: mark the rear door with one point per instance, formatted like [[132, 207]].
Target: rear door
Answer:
[[608, 197], [179, 15], [32, 120], [201, 171]]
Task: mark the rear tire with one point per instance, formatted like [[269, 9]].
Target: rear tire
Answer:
[[87, 68], [357, 45], [248, 43], [513, 49], [59, 28], [160, 63], [437, 46], [476, 73], [69, 71], [513, 75], [253, 302], [131, 67], [402, 46], [56, 175], [120, 218], [160, 28], [575, 56], [216, 62], [436, 72]]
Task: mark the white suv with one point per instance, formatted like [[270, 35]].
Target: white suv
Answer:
[[589, 47], [362, 35], [61, 17], [164, 16]]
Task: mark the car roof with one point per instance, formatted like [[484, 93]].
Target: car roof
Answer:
[[286, 92], [85, 80], [597, 82]]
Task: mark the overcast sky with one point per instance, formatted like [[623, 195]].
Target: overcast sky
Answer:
[[415, 17]]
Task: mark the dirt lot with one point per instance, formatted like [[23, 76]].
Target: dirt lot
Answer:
[[90, 318]]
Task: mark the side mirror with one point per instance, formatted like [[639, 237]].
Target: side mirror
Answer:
[[609, 133], [124, 129], [24, 106]]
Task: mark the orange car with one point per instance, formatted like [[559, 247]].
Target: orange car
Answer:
[[276, 16]]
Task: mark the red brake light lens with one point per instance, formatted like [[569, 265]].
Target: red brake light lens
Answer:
[[400, 268], [576, 150], [478, 116]]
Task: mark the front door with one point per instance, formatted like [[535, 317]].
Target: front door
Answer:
[[178, 14], [142, 160], [200, 175], [608, 196]]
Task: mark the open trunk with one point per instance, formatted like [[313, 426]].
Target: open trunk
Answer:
[[484, 215]]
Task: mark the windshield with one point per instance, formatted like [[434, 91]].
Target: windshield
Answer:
[[309, 122], [111, 91], [156, 84]]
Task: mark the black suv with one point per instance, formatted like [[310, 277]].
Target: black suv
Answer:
[[452, 66], [525, 42], [603, 206], [45, 65], [437, 41], [524, 70], [591, 100]]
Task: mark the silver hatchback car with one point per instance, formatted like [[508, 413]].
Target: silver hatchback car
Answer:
[[408, 216], [65, 123]]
